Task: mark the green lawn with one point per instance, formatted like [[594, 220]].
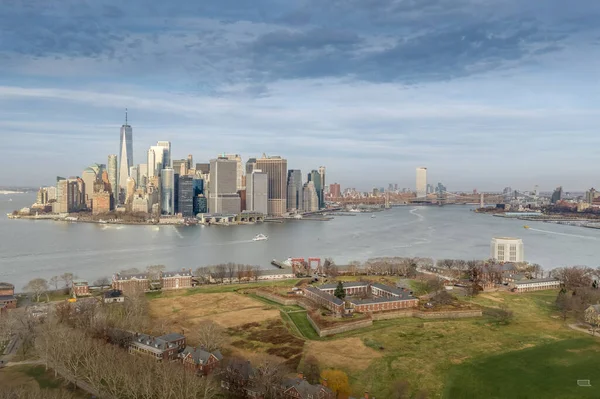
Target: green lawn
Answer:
[[287, 308], [217, 288], [545, 371], [301, 322], [44, 378]]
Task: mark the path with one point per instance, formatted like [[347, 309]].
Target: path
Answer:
[[584, 330]]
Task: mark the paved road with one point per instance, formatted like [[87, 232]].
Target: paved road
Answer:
[[584, 330]]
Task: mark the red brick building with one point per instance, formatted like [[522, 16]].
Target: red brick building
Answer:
[[131, 283], [200, 360], [165, 347], [81, 288], [7, 296], [101, 202], [299, 388], [322, 298], [176, 280]]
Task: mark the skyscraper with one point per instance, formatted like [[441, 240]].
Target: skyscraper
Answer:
[[335, 190], [167, 153], [143, 176], [167, 191], [557, 195], [113, 175], [276, 169], [311, 200], [323, 185], [295, 198], [223, 196], [257, 190], [157, 157], [89, 178], [125, 153], [190, 160], [186, 196], [315, 178], [421, 182], [239, 169], [250, 164]]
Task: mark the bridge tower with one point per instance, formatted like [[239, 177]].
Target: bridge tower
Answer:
[[481, 201]]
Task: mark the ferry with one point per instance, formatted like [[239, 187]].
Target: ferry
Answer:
[[260, 237], [354, 210], [525, 227], [372, 216]]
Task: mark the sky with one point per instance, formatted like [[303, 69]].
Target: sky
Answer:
[[484, 93]]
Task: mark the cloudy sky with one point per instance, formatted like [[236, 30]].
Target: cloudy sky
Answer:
[[485, 93]]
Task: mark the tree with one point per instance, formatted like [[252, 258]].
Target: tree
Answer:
[[337, 381], [339, 291], [353, 267], [67, 278], [54, 280], [37, 287], [574, 277], [209, 335], [329, 268], [220, 273], [102, 282], [592, 318], [231, 271], [563, 303], [434, 284], [312, 371], [505, 315], [442, 298], [269, 373]]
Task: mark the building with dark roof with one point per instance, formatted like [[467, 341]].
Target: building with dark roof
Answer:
[[7, 296], [114, 296], [80, 288], [176, 280], [299, 388], [323, 298], [131, 282], [165, 347], [536, 284], [200, 360]]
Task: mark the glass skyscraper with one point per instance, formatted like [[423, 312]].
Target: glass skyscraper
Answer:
[[125, 154]]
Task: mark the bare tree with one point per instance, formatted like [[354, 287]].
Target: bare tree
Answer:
[[312, 371], [154, 272], [209, 335], [37, 287], [270, 371], [353, 267], [220, 273], [67, 278], [574, 277], [329, 268], [102, 282], [54, 280], [231, 271]]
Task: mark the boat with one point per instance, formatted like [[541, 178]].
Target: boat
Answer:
[[525, 227], [260, 237], [354, 210], [372, 216]]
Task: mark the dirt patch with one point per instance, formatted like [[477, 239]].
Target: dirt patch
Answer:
[[492, 298], [227, 309], [459, 360], [347, 353]]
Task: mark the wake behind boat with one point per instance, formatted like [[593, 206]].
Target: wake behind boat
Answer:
[[260, 237]]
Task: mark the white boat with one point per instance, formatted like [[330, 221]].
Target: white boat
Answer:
[[354, 210], [260, 237], [372, 216]]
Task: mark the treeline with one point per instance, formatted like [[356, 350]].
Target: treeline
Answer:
[[227, 271], [579, 290]]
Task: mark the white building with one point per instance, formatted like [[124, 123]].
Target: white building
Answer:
[[239, 169], [507, 249], [535, 284], [310, 198], [421, 182], [167, 191], [257, 186]]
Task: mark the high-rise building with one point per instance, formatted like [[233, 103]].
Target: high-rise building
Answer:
[[421, 182], [113, 175], [323, 185], [70, 194], [180, 166], [143, 176], [204, 168], [557, 195], [167, 153], [134, 173], [430, 188], [295, 197], [222, 195], [507, 249], [315, 177], [591, 195], [239, 169], [167, 191], [130, 191], [250, 165], [190, 160], [89, 177], [200, 204], [276, 169], [257, 188], [125, 153], [186, 196], [335, 190], [311, 200]]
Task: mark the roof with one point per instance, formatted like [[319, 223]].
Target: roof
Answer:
[[4, 286], [595, 307], [325, 295], [7, 298], [380, 300], [201, 356], [172, 337], [304, 388], [80, 282], [392, 290], [242, 367], [154, 344], [346, 285], [113, 294], [138, 276], [182, 273], [536, 280]]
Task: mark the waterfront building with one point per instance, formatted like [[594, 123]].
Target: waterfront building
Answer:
[[167, 191], [421, 185], [102, 202], [70, 193], [176, 280], [335, 190], [139, 204], [113, 175], [294, 190], [276, 169], [42, 196], [507, 249], [80, 288], [222, 194], [323, 187], [185, 204], [257, 187], [557, 195], [200, 204], [310, 199], [130, 190], [315, 177], [51, 193], [153, 193], [591, 195], [7, 296], [131, 283], [125, 153], [89, 177], [440, 189], [239, 169], [430, 189]]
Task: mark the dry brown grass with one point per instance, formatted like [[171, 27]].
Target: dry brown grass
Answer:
[[492, 297], [226, 309], [346, 353], [12, 378]]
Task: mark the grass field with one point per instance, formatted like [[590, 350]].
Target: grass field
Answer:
[[301, 322], [221, 288], [30, 376]]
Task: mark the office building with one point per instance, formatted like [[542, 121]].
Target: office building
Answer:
[[130, 191], [167, 153], [239, 169], [180, 166], [70, 194], [323, 185], [507, 249], [250, 165], [222, 194], [159, 158], [557, 195], [89, 177], [200, 204], [125, 153], [315, 177], [335, 190], [311, 200], [276, 169], [102, 202], [143, 176], [185, 204], [139, 204], [430, 188], [257, 187], [167, 192], [295, 197], [204, 168], [421, 182], [591, 195], [113, 175]]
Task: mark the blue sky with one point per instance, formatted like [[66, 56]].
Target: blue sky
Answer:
[[484, 93]]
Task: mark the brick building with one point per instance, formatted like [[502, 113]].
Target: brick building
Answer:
[[101, 202], [299, 388], [80, 288], [176, 280], [350, 288], [131, 282], [7, 296], [165, 347], [323, 298], [201, 361]]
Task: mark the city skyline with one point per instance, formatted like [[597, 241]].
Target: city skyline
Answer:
[[493, 95]]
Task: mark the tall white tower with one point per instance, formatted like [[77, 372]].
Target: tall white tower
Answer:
[[421, 182], [125, 154]]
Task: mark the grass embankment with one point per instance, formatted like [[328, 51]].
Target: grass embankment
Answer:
[[32, 376], [220, 288]]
